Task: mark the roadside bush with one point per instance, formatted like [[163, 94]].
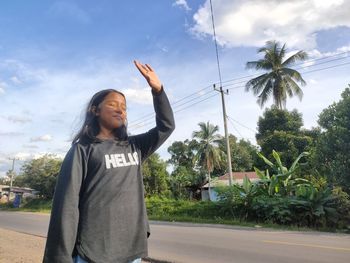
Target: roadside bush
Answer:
[[38, 204], [157, 206], [275, 210]]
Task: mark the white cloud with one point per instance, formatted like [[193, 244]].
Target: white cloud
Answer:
[[18, 119], [11, 133], [27, 156], [313, 81], [253, 22], [136, 95], [3, 86], [16, 80], [183, 4], [30, 146], [43, 138], [314, 54]]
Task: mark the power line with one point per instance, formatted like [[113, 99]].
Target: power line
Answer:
[[222, 93], [151, 115], [152, 122], [135, 123], [141, 124], [179, 110], [241, 124], [234, 127], [177, 101], [334, 66], [305, 72], [241, 136], [216, 44], [297, 64]]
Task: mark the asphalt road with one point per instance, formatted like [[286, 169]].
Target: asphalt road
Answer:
[[182, 242]]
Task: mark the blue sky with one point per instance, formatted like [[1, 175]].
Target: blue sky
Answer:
[[54, 55]]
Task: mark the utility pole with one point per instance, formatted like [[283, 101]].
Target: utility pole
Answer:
[[229, 166], [11, 176], [228, 150]]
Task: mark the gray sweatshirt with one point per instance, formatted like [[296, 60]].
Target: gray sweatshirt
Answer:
[[98, 207]]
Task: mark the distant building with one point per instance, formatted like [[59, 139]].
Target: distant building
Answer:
[[23, 191], [237, 178]]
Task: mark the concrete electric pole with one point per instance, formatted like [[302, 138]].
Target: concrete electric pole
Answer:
[[229, 165]]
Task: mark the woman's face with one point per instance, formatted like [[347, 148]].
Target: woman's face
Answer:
[[112, 111]]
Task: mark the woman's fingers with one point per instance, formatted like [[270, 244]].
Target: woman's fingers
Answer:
[[149, 74], [140, 67], [144, 69], [149, 67]]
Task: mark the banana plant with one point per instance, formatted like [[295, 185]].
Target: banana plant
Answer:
[[283, 180], [317, 205]]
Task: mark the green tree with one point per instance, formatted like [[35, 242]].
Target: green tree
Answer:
[[279, 80], [332, 153], [180, 182], [182, 153], [186, 179], [155, 176], [280, 130], [242, 155], [40, 174], [208, 152]]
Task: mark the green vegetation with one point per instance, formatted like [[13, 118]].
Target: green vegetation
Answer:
[[280, 80], [40, 174], [332, 151], [33, 205]]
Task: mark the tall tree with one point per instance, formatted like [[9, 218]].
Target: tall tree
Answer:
[[40, 174], [182, 153], [280, 130], [208, 152], [279, 80], [155, 176], [332, 154], [243, 154], [186, 179]]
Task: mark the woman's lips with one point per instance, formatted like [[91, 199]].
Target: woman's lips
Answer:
[[118, 117]]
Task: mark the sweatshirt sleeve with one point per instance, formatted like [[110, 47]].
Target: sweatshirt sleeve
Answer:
[[150, 141], [64, 219]]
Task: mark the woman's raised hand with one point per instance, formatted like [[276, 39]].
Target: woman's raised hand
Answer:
[[149, 74]]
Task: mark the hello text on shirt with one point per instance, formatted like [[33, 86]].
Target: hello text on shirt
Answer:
[[121, 160]]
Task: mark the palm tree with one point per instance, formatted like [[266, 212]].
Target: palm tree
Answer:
[[208, 153], [280, 80]]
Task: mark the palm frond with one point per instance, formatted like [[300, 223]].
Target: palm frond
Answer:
[[259, 64], [294, 74], [256, 84], [265, 93], [293, 88], [282, 51], [299, 56]]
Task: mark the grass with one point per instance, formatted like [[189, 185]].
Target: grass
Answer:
[[174, 211], [34, 205]]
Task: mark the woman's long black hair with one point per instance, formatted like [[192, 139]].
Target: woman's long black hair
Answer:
[[91, 127]]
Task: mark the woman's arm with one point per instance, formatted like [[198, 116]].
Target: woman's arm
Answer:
[[165, 124], [150, 141], [63, 227]]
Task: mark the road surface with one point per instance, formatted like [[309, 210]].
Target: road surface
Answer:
[[184, 242]]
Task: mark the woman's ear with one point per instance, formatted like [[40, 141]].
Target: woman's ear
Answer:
[[94, 111]]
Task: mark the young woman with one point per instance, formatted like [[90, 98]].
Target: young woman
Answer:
[[98, 213]]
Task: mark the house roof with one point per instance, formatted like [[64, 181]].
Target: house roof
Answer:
[[237, 178], [15, 189], [239, 175]]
